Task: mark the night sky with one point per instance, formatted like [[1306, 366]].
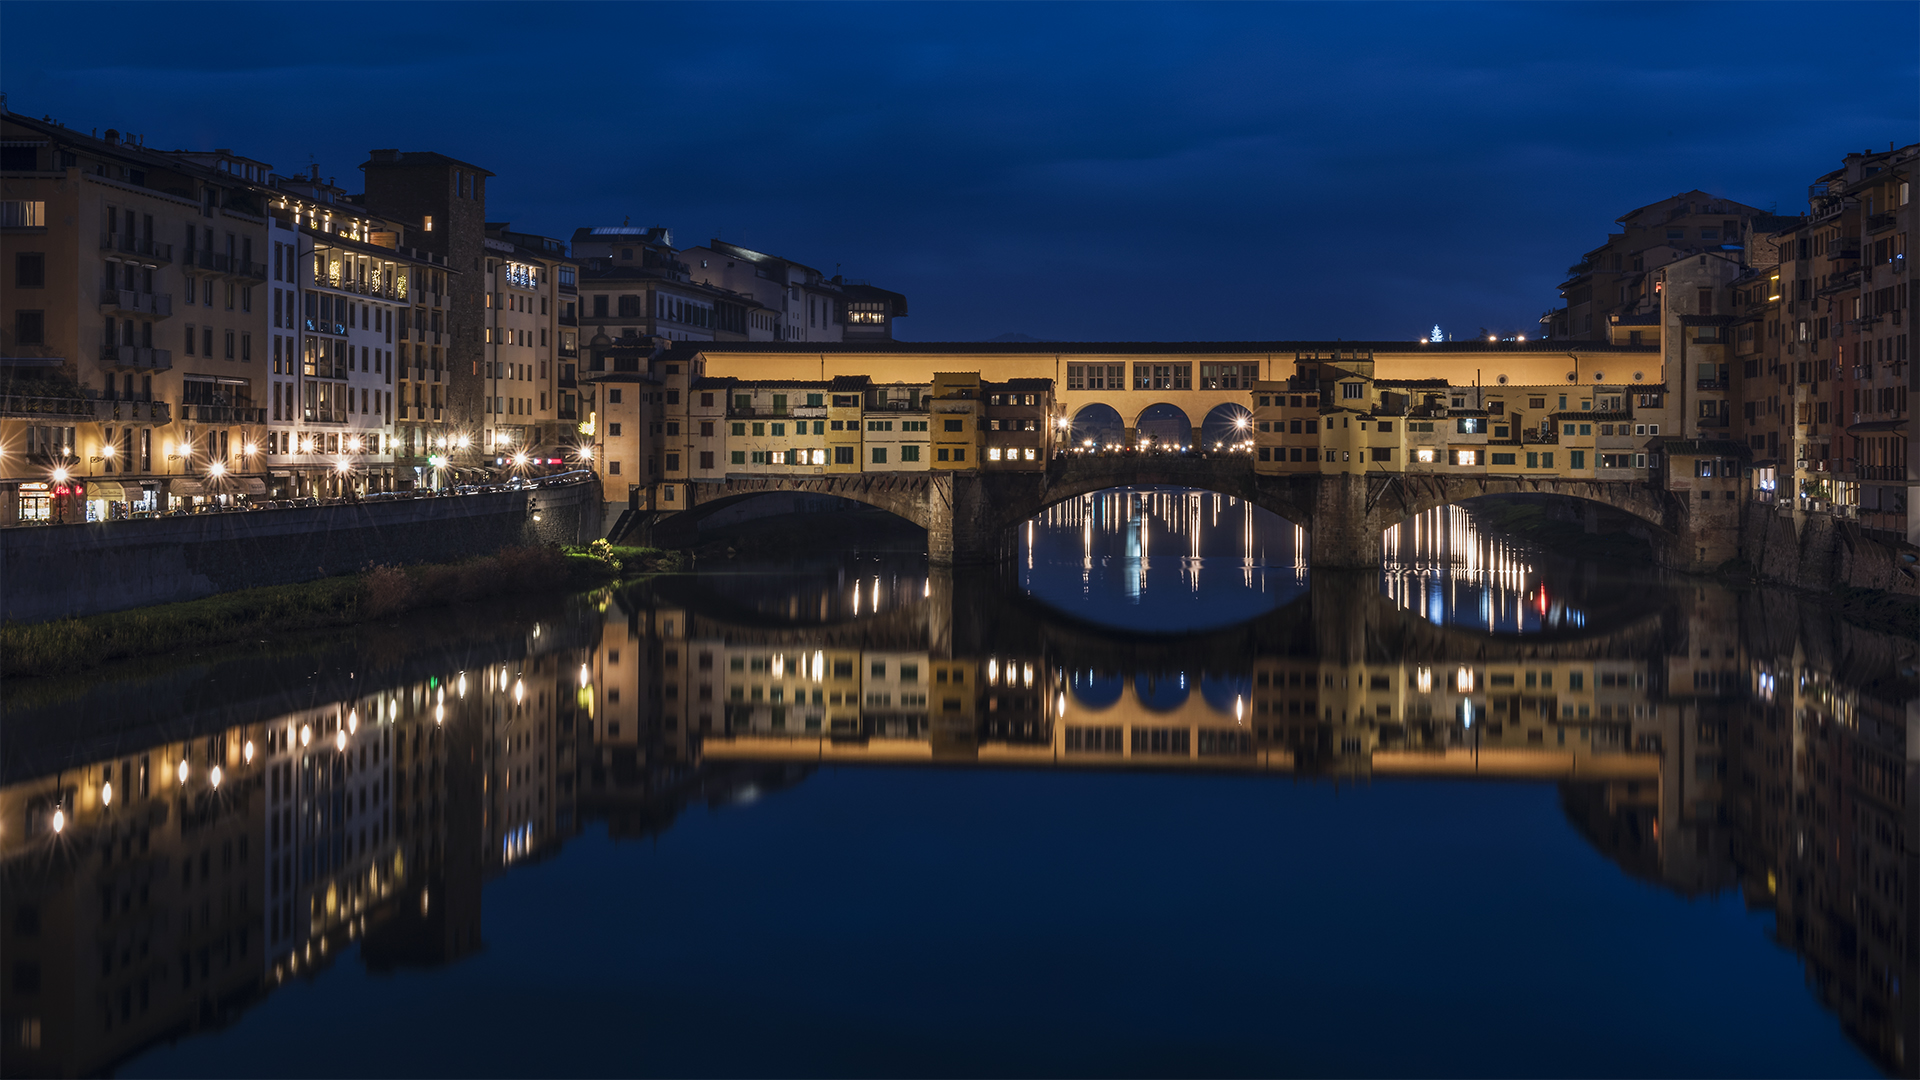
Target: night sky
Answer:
[[1071, 172]]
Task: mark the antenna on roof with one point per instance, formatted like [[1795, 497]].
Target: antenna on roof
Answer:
[[626, 220]]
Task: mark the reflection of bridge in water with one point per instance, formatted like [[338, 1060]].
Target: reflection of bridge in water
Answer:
[[1695, 747], [1344, 680]]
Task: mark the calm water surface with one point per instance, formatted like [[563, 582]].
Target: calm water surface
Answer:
[[1153, 799]]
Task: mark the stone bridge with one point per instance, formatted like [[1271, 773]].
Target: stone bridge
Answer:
[[972, 517]]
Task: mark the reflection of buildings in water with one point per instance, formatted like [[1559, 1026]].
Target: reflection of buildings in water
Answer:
[[1823, 775], [1680, 756], [132, 900], [201, 873], [1439, 565]]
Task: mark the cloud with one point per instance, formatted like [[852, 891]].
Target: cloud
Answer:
[[1077, 170]]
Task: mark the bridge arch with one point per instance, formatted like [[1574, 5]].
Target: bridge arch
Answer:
[[903, 495], [1415, 495], [1071, 476], [1098, 423], [1165, 423], [1226, 425]]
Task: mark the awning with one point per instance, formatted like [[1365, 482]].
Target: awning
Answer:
[[106, 489], [181, 487], [250, 485]]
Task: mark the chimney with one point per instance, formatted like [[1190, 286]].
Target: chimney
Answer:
[[313, 172], [113, 136], [385, 157]]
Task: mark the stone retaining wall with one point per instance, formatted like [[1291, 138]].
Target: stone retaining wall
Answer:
[[58, 571], [1822, 554]]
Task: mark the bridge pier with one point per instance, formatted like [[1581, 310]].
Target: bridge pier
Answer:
[[1342, 534]]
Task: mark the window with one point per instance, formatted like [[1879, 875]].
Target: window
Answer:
[[23, 214], [29, 328], [613, 431], [738, 457], [29, 270], [955, 425], [1502, 459], [879, 455], [1350, 391], [706, 459], [1466, 457], [909, 453], [843, 455]]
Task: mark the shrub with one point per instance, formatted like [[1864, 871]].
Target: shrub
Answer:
[[387, 590]]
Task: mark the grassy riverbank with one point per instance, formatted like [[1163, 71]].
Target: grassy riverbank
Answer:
[[69, 645]]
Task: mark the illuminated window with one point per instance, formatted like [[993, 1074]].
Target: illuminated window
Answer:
[[993, 454], [1466, 457]]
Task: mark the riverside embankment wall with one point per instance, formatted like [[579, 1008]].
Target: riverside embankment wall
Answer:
[[1823, 554], [59, 571]]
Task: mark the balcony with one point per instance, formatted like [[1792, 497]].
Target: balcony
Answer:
[[116, 410], [1879, 222], [568, 350], [1711, 384], [325, 326], [128, 245], [569, 320], [362, 288], [62, 408], [1715, 422], [128, 302], [136, 358], [567, 380], [222, 414], [568, 414]]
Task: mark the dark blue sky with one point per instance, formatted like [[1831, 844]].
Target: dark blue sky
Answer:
[[1075, 171]]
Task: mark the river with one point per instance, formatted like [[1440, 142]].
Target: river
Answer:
[[1152, 798]]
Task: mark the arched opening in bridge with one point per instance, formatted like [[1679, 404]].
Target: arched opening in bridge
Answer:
[[1094, 689], [1163, 426], [780, 523], [1162, 691], [1161, 559], [1521, 564], [1227, 426], [1097, 427]]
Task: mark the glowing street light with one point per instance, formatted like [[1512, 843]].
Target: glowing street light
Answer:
[[217, 469], [60, 474]]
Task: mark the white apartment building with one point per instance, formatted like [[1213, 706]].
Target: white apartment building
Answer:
[[340, 282]]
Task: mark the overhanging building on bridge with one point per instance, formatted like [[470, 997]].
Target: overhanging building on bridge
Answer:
[[1393, 428]]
